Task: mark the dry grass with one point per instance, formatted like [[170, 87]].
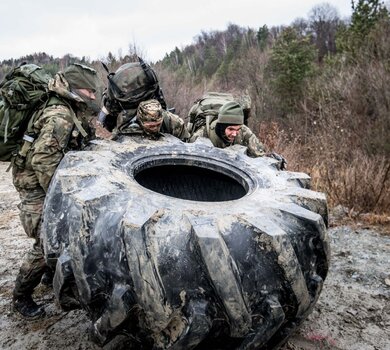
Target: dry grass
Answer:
[[362, 184], [358, 182]]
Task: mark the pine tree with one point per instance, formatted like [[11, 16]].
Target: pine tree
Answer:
[[291, 62], [365, 16], [262, 37]]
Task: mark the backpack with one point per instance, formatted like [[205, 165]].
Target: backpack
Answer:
[[130, 84], [23, 91], [205, 110]]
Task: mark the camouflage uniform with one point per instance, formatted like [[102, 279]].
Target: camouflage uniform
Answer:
[[55, 135], [171, 123], [245, 138], [54, 128], [174, 125]]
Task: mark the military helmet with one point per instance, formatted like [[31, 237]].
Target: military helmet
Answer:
[[231, 113], [80, 76]]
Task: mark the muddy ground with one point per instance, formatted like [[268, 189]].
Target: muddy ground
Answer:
[[353, 311]]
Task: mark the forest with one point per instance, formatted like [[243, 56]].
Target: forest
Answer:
[[319, 89]]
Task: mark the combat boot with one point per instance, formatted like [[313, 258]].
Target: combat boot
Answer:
[[47, 278], [27, 307]]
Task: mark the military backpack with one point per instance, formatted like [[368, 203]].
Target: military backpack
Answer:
[[205, 110], [130, 84], [23, 93]]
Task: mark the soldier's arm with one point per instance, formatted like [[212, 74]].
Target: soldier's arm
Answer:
[[178, 127], [198, 133], [255, 147], [55, 130]]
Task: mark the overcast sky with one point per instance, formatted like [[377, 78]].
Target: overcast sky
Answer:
[[93, 28]]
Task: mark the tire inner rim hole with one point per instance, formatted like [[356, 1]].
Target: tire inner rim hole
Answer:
[[191, 183]]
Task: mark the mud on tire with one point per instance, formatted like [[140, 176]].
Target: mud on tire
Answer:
[[185, 246]]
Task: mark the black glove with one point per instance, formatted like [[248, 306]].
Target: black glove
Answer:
[[282, 161], [108, 121]]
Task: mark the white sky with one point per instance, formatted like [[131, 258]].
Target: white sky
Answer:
[[93, 28]]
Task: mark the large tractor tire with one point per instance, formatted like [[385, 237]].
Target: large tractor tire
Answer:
[[185, 246]]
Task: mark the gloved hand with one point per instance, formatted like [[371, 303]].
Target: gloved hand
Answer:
[[282, 161], [107, 120]]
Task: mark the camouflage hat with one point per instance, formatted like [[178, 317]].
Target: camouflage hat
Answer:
[[149, 111], [231, 113], [80, 76]]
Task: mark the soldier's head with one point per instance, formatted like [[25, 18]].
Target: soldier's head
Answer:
[[82, 80], [149, 116], [230, 120]]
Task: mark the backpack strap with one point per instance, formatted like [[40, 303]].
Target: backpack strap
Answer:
[[6, 119], [54, 100], [76, 122], [28, 139], [111, 81], [208, 118]]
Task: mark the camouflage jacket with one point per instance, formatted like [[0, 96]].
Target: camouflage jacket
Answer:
[[245, 138], [54, 135], [172, 124]]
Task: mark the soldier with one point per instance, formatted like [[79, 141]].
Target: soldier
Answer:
[[152, 121], [127, 87], [229, 129], [62, 126], [130, 85]]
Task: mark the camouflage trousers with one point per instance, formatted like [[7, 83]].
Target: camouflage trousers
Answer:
[[34, 265]]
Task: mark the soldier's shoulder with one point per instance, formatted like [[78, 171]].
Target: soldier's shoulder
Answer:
[[171, 115], [59, 109], [245, 130], [54, 114], [173, 119]]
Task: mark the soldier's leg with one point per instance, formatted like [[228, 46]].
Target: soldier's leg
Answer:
[[31, 271], [34, 266]]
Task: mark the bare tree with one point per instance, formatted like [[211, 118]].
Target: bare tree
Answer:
[[301, 26], [323, 21], [136, 51]]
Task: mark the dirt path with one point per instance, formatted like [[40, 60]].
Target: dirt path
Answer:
[[353, 311]]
